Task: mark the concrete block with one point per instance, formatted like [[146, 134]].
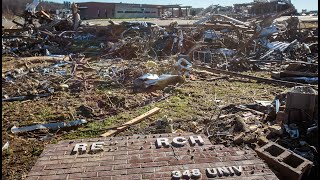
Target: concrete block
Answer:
[[291, 165], [301, 98]]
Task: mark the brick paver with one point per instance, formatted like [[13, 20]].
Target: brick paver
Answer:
[[139, 157]]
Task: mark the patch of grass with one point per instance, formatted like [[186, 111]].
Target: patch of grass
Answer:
[[36, 151], [45, 114], [194, 101], [95, 129]]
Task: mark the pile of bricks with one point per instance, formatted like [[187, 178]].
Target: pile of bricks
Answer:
[[147, 157]]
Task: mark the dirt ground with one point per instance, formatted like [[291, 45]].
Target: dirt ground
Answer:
[[190, 106]]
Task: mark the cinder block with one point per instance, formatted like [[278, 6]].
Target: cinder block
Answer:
[[289, 164]]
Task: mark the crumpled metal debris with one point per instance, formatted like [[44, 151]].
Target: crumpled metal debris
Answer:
[[52, 126], [153, 81], [292, 129], [183, 66]]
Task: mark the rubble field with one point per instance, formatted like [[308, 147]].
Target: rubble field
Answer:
[[243, 83]]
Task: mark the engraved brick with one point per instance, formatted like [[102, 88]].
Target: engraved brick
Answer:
[[112, 173], [57, 157], [103, 163], [234, 158], [32, 178], [37, 168], [140, 170], [98, 178], [43, 173], [98, 168], [132, 177], [140, 160], [101, 158], [54, 177], [58, 166], [70, 171], [156, 175], [82, 175], [121, 157], [154, 164], [270, 177], [157, 159], [126, 166], [42, 163], [87, 164], [207, 160], [66, 161]]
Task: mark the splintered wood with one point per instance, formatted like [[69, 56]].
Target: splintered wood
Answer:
[[131, 122]]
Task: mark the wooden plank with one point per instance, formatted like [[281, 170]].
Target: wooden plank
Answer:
[[286, 73], [131, 122], [265, 80]]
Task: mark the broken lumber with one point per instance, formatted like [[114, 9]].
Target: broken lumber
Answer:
[[271, 81], [287, 73], [39, 59], [131, 122]]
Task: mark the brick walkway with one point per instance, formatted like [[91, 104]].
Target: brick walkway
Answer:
[[138, 157]]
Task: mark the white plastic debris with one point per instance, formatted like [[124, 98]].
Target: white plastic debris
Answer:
[[5, 146], [32, 6]]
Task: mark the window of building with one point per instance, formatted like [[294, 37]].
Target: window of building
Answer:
[[133, 12], [120, 11]]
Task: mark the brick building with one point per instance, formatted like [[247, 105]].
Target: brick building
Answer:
[[100, 10]]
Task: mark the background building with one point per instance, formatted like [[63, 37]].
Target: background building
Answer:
[[261, 7], [100, 10]]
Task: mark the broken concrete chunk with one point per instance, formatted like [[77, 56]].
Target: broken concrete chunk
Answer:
[[276, 129], [263, 140], [281, 118], [253, 128], [241, 125], [239, 138]]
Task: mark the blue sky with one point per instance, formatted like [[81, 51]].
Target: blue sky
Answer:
[[299, 4]]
